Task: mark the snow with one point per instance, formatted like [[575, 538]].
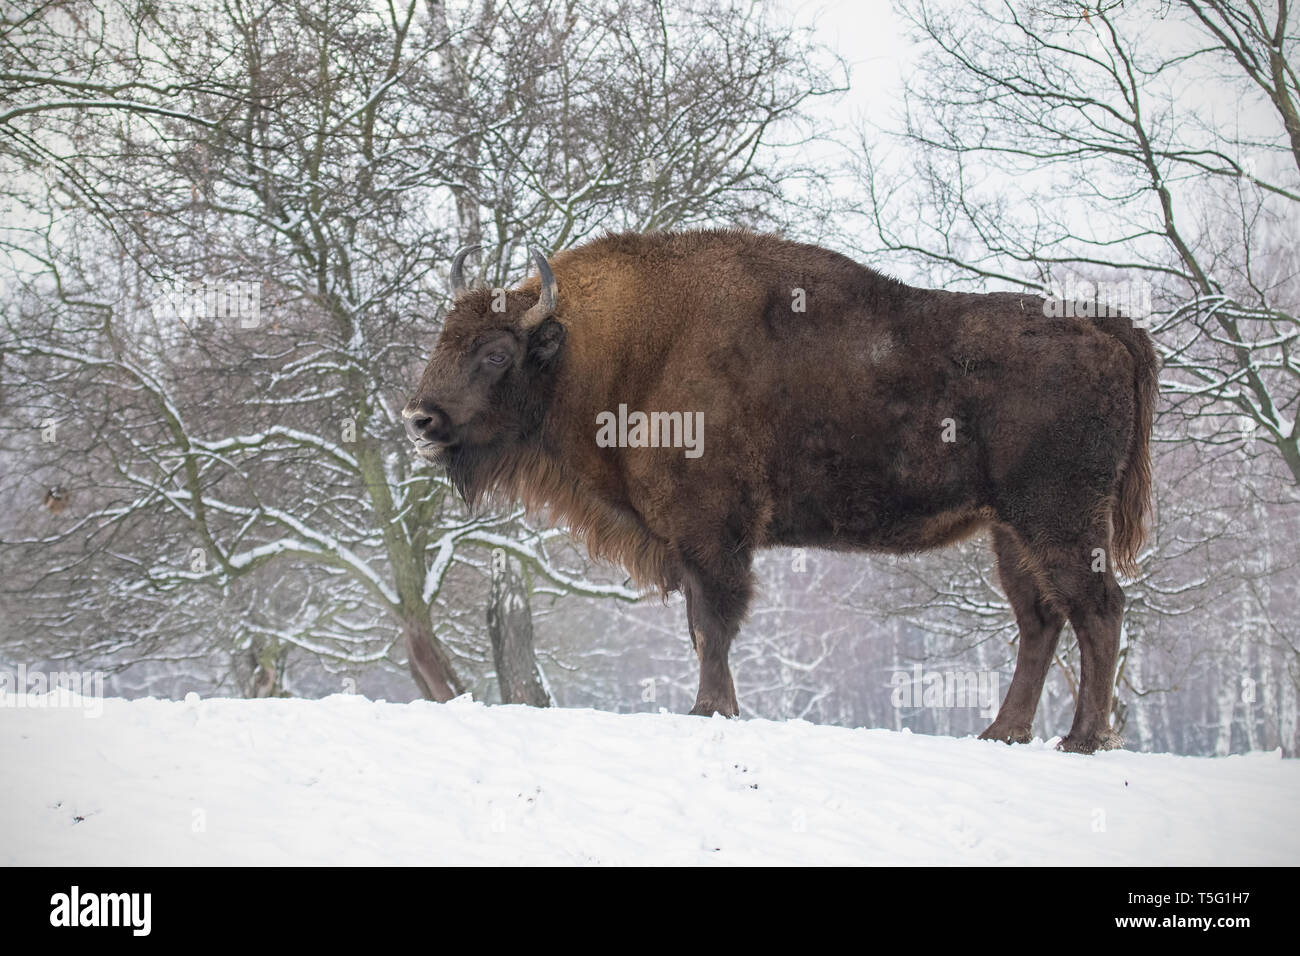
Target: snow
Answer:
[[345, 780]]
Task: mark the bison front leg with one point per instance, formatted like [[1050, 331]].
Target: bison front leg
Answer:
[[716, 600]]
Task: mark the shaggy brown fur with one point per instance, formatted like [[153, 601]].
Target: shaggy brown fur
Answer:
[[881, 417]]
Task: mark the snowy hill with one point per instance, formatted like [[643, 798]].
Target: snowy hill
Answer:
[[345, 780]]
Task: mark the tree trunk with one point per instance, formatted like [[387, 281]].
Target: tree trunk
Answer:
[[260, 668], [510, 626], [428, 660], [1229, 688]]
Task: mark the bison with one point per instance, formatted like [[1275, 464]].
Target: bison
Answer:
[[840, 408]]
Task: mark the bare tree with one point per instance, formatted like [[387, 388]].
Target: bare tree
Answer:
[[510, 628], [1090, 151], [224, 278]]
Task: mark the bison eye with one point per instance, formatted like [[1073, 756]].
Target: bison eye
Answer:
[[497, 358]]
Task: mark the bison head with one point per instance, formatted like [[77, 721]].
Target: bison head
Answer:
[[488, 383]]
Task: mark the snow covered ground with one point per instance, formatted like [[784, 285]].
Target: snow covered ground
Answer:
[[346, 780]]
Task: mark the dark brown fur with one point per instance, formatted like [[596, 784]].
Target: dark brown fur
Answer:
[[823, 428]]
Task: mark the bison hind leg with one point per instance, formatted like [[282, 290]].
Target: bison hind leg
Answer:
[[1040, 623], [1072, 559]]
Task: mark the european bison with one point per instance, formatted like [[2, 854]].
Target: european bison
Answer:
[[840, 408]]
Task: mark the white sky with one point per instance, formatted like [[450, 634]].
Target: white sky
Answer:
[[870, 38]]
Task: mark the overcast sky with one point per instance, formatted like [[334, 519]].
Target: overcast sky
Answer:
[[870, 38]]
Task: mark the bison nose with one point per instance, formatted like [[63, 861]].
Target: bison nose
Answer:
[[426, 422]]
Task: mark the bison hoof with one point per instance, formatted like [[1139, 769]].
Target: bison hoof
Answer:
[[706, 708], [1086, 744], [1008, 735]]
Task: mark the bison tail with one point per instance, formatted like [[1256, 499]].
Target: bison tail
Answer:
[[1134, 501]]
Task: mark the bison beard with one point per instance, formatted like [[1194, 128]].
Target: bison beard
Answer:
[[845, 410], [470, 469]]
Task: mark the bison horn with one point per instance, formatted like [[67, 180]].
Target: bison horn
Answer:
[[458, 285], [545, 306]]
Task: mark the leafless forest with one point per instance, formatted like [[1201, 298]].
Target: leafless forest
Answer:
[[226, 231]]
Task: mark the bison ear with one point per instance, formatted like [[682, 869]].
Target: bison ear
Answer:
[[544, 342]]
